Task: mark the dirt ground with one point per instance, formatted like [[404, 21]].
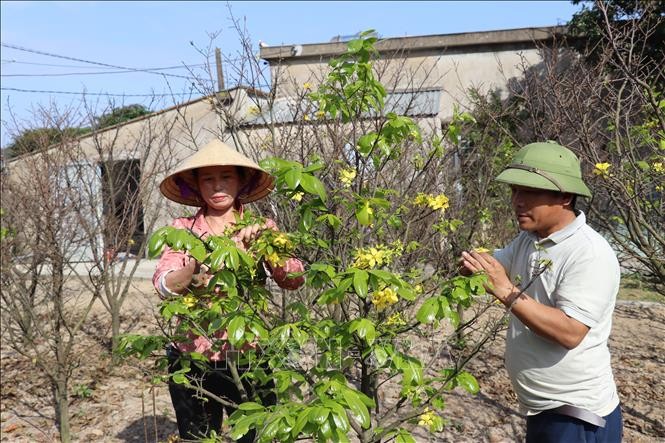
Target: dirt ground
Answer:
[[120, 405]]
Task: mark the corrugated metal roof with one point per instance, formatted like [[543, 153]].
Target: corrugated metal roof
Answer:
[[410, 103]]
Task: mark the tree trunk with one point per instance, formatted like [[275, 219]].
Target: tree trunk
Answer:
[[62, 409], [115, 334]]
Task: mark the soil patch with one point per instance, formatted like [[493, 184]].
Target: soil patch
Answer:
[[121, 405]]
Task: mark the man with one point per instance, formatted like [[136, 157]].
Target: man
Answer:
[[559, 278]]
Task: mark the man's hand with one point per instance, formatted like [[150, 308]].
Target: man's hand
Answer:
[[499, 284]]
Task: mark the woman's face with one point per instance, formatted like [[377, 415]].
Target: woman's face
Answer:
[[219, 186]]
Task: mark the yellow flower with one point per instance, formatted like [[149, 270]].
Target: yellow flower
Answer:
[[418, 289], [297, 196], [438, 202], [307, 86], [189, 301], [254, 110], [384, 298], [320, 114], [379, 255], [426, 418], [306, 117], [131, 242], [658, 167], [346, 176], [602, 170], [420, 199], [395, 320], [281, 240], [273, 259]]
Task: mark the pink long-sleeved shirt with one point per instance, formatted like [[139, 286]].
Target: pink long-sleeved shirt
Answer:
[[174, 260]]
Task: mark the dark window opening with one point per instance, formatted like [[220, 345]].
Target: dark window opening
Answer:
[[124, 230]]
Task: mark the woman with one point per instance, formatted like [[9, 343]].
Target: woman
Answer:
[[219, 180]]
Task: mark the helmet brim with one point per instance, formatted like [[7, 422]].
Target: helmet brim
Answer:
[[521, 177]]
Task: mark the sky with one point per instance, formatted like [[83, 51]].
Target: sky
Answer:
[[49, 46]]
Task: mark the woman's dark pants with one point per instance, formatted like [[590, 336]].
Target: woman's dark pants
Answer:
[[197, 417]]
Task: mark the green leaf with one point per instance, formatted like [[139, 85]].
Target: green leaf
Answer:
[[198, 252], [355, 45], [313, 185], [216, 259], [404, 436], [299, 335], [236, 330], [358, 409], [282, 381], [157, 242], [179, 378], [232, 259], [468, 382], [301, 421], [292, 177], [477, 283], [363, 216], [427, 312], [228, 278], [250, 406], [382, 275], [380, 354], [331, 219], [272, 428], [179, 238], [644, 166], [360, 278], [406, 292], [366, 143], [364, 328], [338, 414], [412, 372], [241, 427], [314, 167], [319, 415], [306, 219]]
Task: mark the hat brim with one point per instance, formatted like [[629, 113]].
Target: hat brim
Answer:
[[529, 179], [173, 189], [181, 187]]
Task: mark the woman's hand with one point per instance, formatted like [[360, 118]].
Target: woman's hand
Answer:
[[248, 234], [179, 280]]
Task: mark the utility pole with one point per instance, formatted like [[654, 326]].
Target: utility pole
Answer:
[[220, 73]]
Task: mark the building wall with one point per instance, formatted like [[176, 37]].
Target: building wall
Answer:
[[449, 63], [454, 63]]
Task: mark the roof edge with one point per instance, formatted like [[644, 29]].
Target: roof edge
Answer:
[[417, 43], [224, 93]]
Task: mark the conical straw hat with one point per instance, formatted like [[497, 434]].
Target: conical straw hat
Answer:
[[180, 186]]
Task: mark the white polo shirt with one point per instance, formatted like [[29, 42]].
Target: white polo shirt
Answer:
[[582, 280]]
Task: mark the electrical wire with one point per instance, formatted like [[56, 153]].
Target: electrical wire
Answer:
[[65, 74], [48, 54], [7, 61], [106, 94]]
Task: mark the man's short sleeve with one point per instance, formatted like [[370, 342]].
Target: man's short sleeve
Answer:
[[588, 286]]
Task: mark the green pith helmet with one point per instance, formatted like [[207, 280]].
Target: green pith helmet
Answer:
[[546, 165]]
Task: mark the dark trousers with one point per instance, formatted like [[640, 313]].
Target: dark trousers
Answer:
[[197, 416], [550, 427]]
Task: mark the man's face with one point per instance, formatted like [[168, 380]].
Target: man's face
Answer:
[[540, 211]]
